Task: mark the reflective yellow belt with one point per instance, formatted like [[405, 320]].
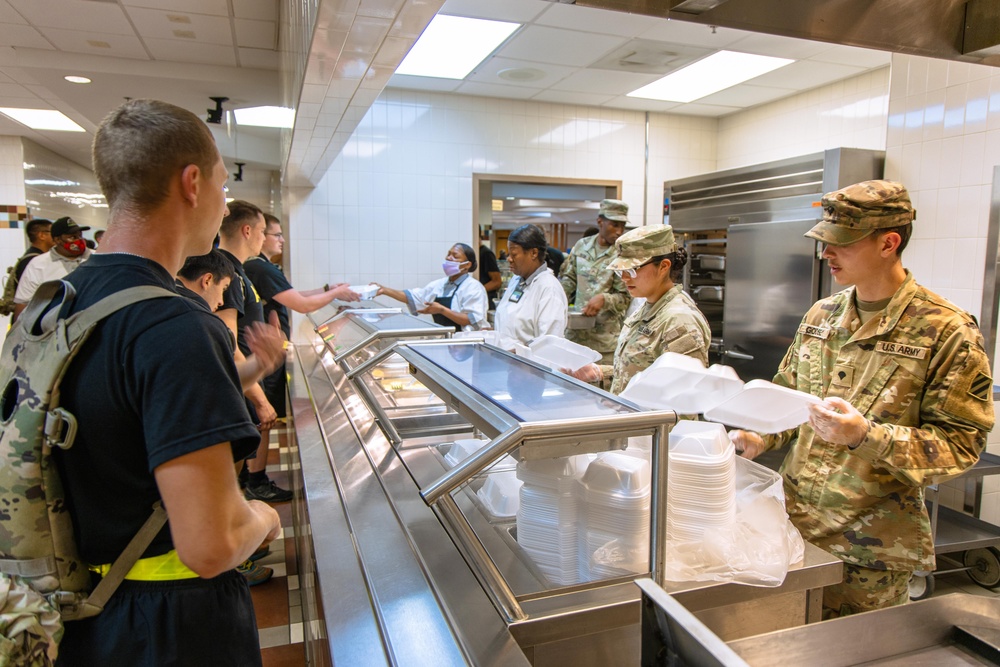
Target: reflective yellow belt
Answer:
[[166, 567]]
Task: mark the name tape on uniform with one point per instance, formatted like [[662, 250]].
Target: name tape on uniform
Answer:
[[815, 332], [909, 351]]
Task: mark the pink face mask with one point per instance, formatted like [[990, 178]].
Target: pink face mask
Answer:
[[451, 268], [75, 247]]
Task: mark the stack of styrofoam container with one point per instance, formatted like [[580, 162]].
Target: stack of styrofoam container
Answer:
[[547, 518], [701, 481], [501, 494], [614, 517]]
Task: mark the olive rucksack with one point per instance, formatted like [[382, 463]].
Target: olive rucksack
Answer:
[[40, 568], [9, 290]]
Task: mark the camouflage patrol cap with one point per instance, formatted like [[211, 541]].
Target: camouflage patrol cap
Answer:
[[640, 245], [614, 209], [852, 213]]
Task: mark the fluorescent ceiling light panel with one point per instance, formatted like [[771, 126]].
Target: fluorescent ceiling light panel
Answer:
[[265, 116], [452, 46], [42, 119], [718, 71]]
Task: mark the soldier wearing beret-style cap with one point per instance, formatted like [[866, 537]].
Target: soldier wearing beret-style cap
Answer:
[[908, 402], [649, 262]]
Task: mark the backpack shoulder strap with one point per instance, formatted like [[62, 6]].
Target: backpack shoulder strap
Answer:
[[112, 303]]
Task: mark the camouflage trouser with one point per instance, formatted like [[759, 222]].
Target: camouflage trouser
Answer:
[[865, 590]]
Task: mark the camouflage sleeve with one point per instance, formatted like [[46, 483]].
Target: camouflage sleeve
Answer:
[[567, 276], [956, 413], [617, 299]]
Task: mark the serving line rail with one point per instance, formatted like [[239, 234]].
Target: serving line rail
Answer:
[[409, 569]]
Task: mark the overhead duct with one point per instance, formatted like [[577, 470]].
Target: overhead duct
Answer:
[[951, 29]]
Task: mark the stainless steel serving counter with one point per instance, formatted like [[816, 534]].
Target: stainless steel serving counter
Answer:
[[388, 576]]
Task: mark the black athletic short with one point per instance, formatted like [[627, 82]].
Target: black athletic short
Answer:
[[275, 389], [187, 623]]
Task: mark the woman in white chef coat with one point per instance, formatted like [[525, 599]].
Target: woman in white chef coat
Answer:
[[458, 299], [534, 303]]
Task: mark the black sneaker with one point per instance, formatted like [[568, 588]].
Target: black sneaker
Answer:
[[267, 491]]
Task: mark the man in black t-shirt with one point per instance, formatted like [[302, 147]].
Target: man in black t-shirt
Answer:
[[277, 296], [241, 237], [160, 417], [489, 271], [39, 233]]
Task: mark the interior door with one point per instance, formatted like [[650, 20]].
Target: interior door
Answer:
[[772, 278]]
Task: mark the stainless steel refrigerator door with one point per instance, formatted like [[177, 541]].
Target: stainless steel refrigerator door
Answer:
[[772, 278]]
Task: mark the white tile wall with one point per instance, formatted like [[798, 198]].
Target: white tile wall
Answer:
[[943, 142], [850, 113], [12, 241], [401, 191]]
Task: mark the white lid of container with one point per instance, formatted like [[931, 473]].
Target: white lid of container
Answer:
[[680, 383], [500, 493], [463, 449], [560, 353], [764, 407], [367, 292]]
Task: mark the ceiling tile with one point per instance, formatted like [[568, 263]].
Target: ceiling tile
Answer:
[[75, 15], [694, 34], [586, 19], [694, 109], [599, 81], [183, 51], [262, 10], [23, 36], [259, 58], [256, 34], [518, 11], [744, 96], [212, 7], [13, 90], [780, 47], [566, 97], [559, 47], [804, 75], [423, 83], [489, 70], [412, 19], [156, 24], [392, 51], [495, 90], [382, 9], [366, 35], [849, 55], [10, 15], [120, 46]]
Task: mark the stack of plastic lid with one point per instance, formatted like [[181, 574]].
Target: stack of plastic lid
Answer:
[[677, 382], [500, 494], [463, 449], [701, 481], [614, 527], [547, 518]]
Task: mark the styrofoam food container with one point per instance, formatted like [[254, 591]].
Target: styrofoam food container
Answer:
[[500, 494], [367, 292], [559, 353], [764, 407], [678, 382], [617, 474]]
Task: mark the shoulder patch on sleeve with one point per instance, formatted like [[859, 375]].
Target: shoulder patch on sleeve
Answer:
[[981, 387]]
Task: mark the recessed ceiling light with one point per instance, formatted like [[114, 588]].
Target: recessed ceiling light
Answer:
[[265, 116], [452, 46], [42, 119], [718, 71], [72, 78]]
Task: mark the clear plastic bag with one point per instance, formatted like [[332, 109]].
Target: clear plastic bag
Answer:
[[759, 547]]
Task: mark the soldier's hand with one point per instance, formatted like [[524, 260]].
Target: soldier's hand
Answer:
[[594, 306], [588, 373], [749, 444], [838, 422]]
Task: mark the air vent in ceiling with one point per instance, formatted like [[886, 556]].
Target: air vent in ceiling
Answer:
[[646, 56]]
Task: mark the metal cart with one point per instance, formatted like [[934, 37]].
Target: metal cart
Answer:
[[962, 542]]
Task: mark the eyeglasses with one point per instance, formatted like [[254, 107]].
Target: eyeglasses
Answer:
[[280, 235], [631, 272]]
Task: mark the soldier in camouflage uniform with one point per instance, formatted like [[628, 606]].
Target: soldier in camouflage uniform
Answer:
[[592, 287], [908, 402], [648, 261]]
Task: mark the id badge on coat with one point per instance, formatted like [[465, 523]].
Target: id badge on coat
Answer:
[[516, 295]]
